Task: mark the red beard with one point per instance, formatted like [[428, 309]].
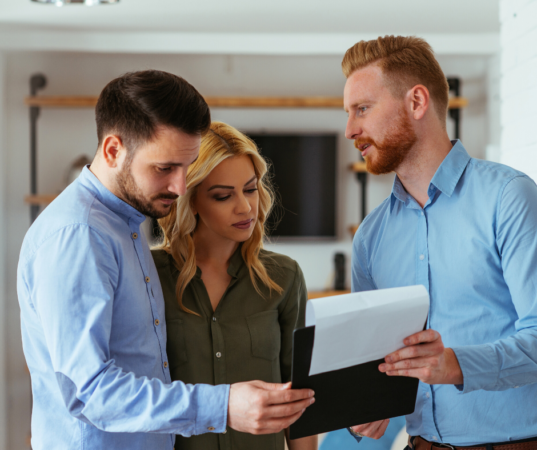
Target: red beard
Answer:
[[395, 147]]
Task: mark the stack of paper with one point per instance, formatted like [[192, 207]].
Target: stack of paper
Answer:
[[364, 326]]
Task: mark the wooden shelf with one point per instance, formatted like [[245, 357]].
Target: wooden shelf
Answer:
[[61, 102], [458, 102], [358, 166], [320, 294], [43, 199], [220, 102]]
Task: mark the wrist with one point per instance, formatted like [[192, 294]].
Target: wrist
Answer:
[[454, 371]]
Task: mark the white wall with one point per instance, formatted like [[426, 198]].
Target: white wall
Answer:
[[65, 134], [518, 41], [3, 238]]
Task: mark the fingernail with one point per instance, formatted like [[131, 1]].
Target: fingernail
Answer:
[[389, 359], [304, 410], [312, 393], [382, 367], [312, 400]]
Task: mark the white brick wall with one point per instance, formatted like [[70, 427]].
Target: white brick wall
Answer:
[[3, 257], [518, 85]]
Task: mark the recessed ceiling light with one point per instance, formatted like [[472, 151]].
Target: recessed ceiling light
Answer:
[[80, 2]]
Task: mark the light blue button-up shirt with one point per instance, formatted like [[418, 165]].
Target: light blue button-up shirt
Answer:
[[474, 247], [94, 333]]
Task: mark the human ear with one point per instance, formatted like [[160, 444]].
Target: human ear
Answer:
[[419, 100], [112, 150]]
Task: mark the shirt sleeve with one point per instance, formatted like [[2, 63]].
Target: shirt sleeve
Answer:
[[511, 362], [292, 316], [361, 278], [71, 281]]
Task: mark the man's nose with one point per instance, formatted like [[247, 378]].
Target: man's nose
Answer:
[[353, 129], [178, 182]]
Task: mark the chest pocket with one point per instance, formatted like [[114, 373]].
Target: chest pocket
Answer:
[[265, 334], [175, 347]]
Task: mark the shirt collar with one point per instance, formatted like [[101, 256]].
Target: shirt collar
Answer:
[[235, 263], [446, 177], [91, 182]]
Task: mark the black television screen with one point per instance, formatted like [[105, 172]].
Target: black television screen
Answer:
[[304, 178]]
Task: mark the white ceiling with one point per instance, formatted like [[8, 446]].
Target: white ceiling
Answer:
[[256, 16]]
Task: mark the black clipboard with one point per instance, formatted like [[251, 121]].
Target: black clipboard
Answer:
[[346, 397]]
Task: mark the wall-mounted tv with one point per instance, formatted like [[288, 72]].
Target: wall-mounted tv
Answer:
[[304, 177]]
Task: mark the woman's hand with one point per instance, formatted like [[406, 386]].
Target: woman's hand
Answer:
[[373, 430]]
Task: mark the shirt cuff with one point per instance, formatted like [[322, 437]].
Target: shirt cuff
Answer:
[[212, 403], [354, 435], [479, 366]]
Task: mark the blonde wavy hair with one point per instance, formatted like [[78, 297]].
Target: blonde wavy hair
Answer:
[[222, 141]]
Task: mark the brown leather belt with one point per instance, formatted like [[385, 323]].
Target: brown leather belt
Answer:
[[418, 443]]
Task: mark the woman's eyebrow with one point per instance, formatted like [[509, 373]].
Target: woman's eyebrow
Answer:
[[221, 186], [250, 180]]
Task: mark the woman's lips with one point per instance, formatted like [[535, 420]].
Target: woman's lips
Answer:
[[244, 225]]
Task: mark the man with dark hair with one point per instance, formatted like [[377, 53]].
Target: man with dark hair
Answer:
[[92, 308], [463, 228]]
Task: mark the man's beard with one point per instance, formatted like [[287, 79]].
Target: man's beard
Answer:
[[133, 195], [393, 150]]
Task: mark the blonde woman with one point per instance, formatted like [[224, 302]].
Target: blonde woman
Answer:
[[231, 306]]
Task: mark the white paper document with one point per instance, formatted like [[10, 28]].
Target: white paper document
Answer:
[[365, 326]]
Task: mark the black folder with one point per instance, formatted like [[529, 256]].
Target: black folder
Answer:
[[346, 397]]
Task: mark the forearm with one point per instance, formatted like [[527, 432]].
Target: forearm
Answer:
[[504, 364], [116, 401], [307, 443]]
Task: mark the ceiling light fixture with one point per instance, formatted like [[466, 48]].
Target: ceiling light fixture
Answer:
[[80, 2]]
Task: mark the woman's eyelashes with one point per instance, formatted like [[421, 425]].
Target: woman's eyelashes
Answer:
[[225, 197]]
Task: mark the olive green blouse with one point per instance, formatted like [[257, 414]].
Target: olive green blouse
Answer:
[[247, 337]]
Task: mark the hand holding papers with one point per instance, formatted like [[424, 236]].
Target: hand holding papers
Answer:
[[364, 326], [338, 354]]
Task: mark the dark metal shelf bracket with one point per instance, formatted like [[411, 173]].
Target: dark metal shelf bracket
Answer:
[[37, 82]]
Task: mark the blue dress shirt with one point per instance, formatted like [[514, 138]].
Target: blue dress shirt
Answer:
[[94, 334], [474, 247]]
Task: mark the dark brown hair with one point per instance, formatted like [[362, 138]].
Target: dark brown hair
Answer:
[[405, 62], [135, 104]]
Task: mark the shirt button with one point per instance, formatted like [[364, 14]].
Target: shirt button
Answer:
[[165, 364], [218, 354], [427, 395], [134, 235], [422, 213], [422, 257], [147, 279], [210, 428], [224, 432], [435, 438], [214, 319], [157, 322]]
